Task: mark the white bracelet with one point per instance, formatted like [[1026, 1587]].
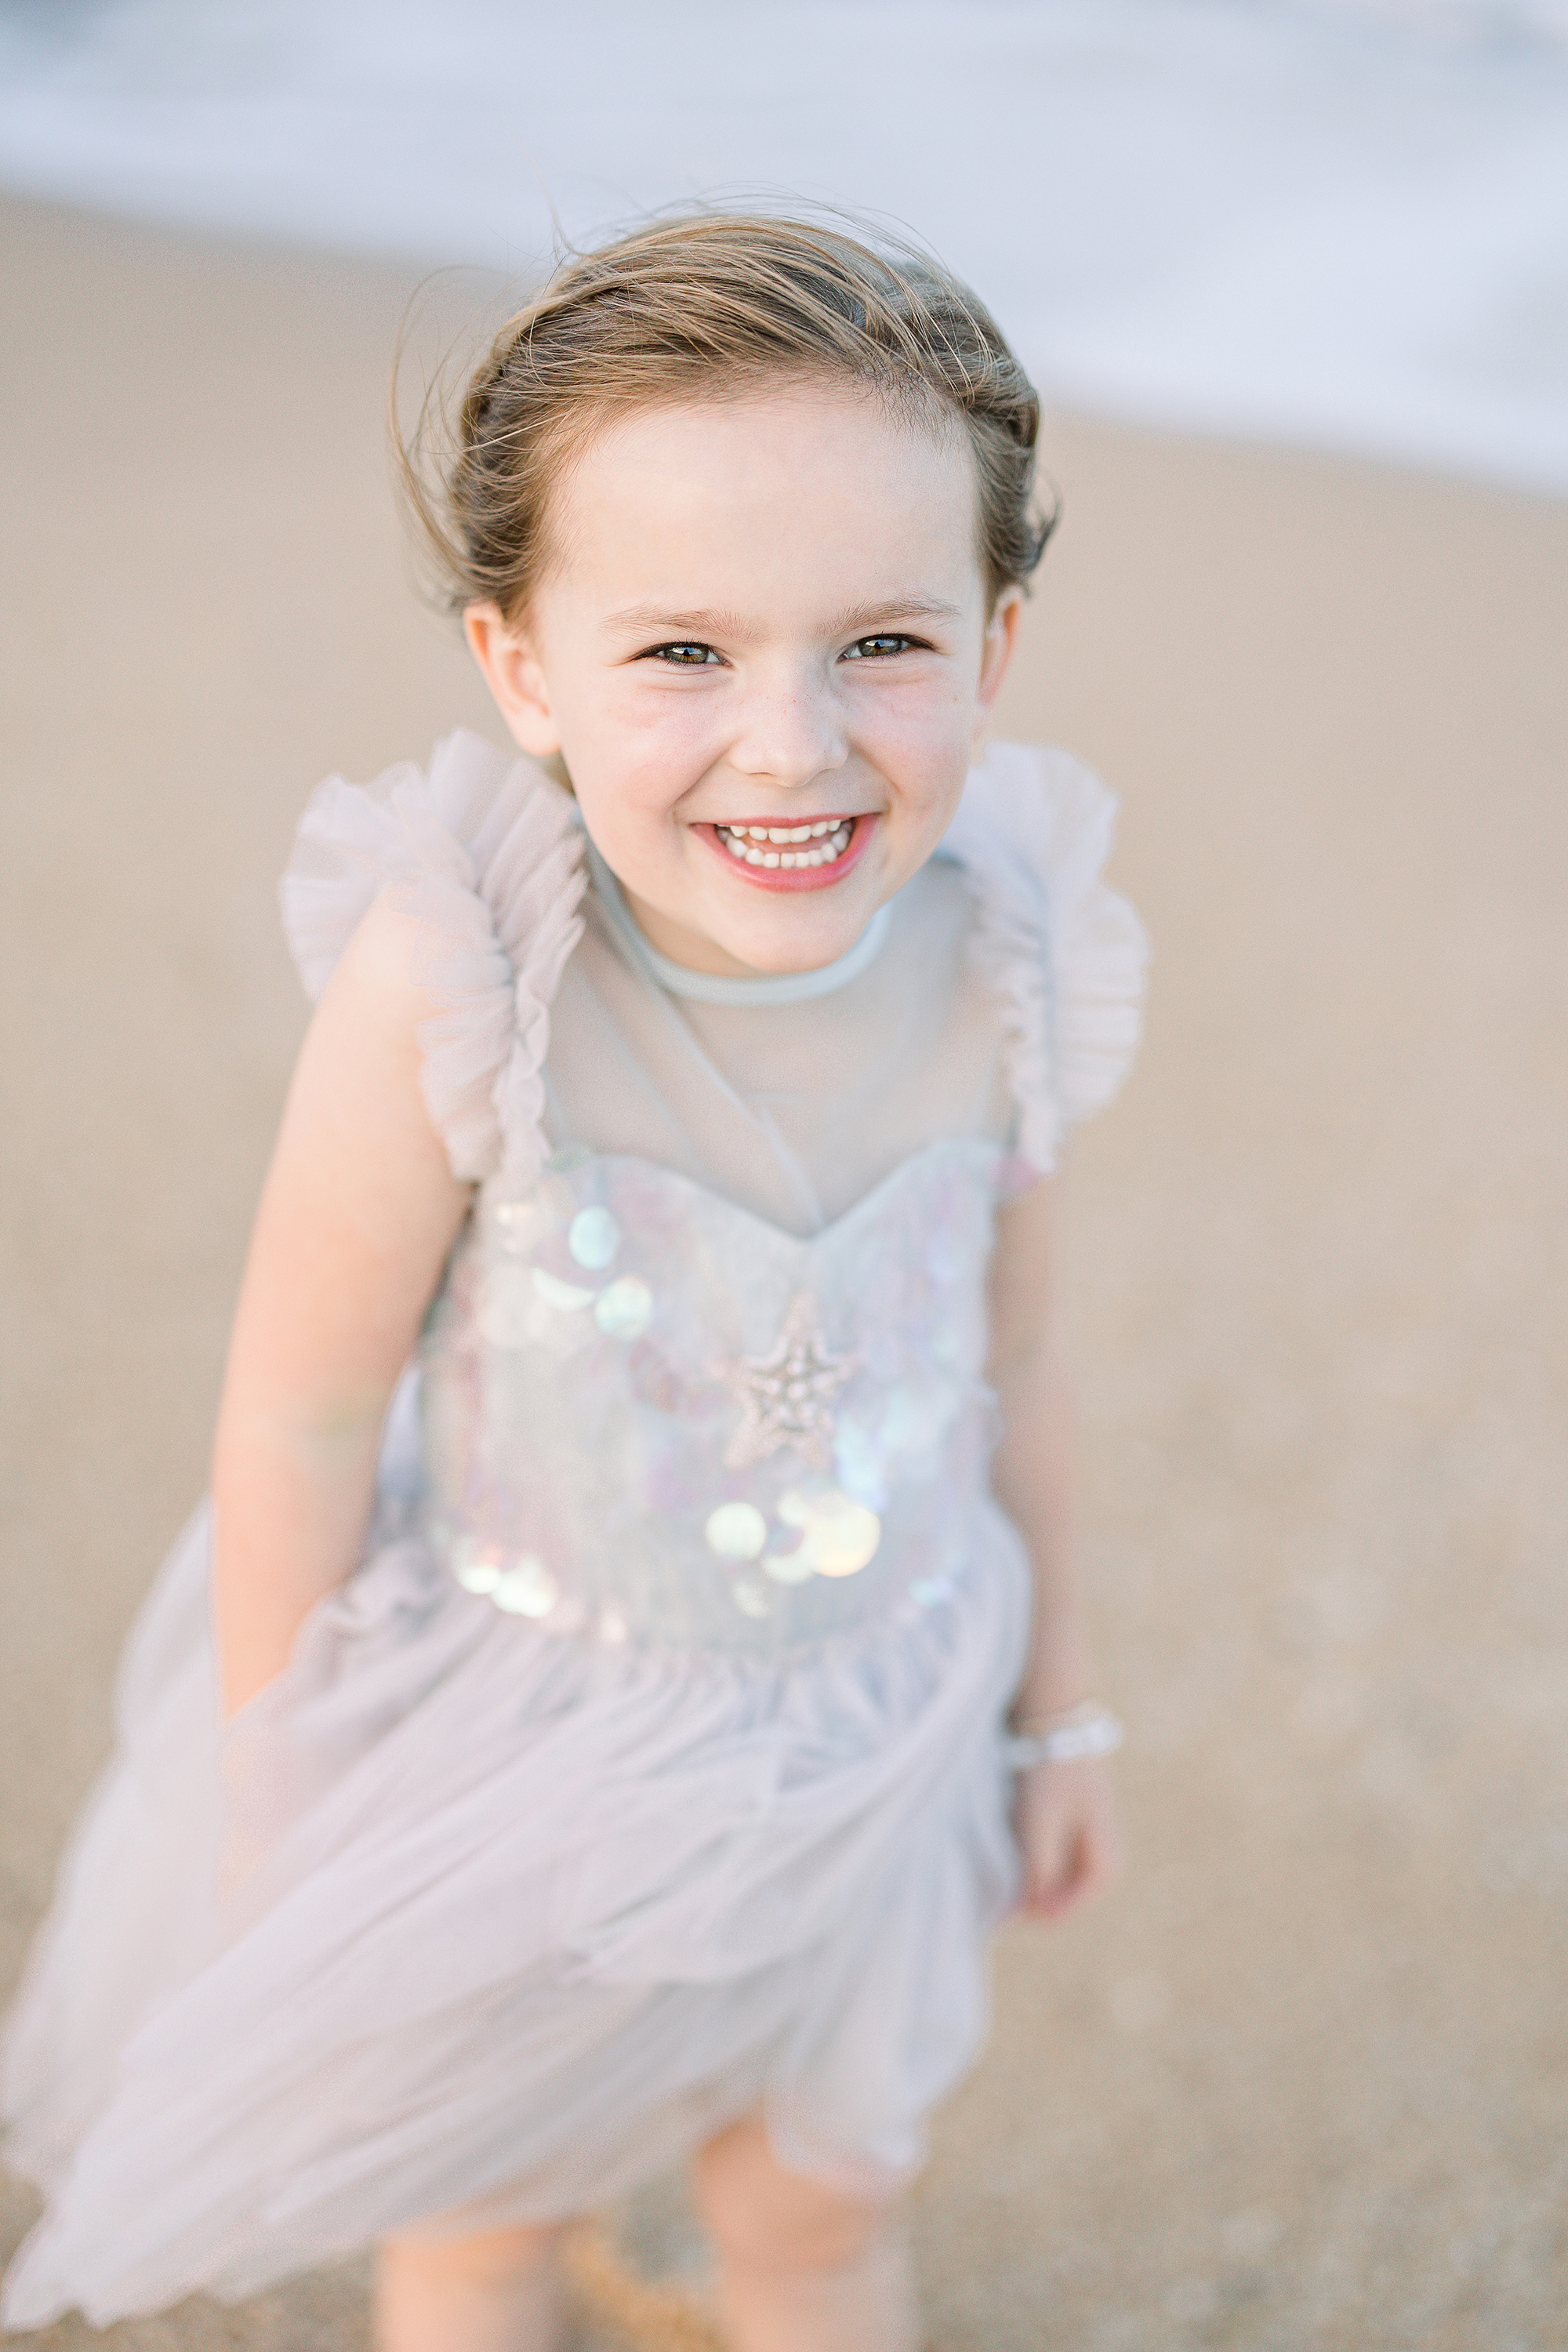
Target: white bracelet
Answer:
[[1086, 1730]]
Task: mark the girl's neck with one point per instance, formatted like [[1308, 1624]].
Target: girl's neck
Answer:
[[716, 988]]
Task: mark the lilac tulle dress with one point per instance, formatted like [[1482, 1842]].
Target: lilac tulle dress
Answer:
[[646, 1772]]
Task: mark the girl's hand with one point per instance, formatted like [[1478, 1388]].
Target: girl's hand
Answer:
[[1064, 1818]]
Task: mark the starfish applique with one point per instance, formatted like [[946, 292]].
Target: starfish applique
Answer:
[[786, 1398]]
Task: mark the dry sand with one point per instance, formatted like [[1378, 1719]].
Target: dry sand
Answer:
[[1303, 2080]]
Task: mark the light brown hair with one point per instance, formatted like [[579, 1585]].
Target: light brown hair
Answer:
[[711, 306]]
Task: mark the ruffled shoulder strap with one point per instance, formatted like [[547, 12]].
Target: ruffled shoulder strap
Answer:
[[486, 852], [1065, 954]]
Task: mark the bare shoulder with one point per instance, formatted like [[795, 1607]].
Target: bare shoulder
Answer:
[[357, 1119], [379, 970]]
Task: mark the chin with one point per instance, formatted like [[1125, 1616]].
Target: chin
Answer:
[[777, 957]]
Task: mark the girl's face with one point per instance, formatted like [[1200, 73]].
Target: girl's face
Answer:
[[763, 653]]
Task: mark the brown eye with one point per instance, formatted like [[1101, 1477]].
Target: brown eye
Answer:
[[683, 655], [875, 648]]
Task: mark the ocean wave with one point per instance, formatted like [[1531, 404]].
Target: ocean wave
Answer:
[[1342, 223]]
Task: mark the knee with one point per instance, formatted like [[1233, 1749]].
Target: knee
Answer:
[[762, 2218]]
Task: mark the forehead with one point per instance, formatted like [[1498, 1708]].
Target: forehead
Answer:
[[793, 486]]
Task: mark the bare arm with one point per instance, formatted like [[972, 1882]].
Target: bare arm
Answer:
[[1063, 1816], [357, 1215]]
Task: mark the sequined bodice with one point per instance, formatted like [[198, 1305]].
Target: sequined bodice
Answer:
[[652, 1414]]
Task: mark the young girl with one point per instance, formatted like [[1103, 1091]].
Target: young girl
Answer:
[[640, 1497]]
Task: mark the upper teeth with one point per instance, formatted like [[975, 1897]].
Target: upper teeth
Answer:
[[746, 841], [784, 831]]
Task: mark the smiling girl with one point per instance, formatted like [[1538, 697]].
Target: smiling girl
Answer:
[[633, 1658]]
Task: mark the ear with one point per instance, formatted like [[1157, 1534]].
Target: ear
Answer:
[[514, 675], [995, 653]]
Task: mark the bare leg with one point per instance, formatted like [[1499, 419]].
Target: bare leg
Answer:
[[802, 2268], [501, 2293]]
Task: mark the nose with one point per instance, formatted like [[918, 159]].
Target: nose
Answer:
[[790, 731]]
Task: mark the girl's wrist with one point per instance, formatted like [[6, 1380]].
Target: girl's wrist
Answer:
[[1060, 1677]]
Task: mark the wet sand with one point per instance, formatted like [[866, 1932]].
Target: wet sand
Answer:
[[1303, 2080]]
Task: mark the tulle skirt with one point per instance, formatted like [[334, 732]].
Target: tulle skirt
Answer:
[[461, 1923]]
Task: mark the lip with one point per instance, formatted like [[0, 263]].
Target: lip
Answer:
[[793, 877]]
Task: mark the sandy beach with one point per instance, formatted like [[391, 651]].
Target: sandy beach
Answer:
[[1302, 2081]]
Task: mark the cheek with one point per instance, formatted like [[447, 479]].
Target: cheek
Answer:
[[638, 754], [924, 743]]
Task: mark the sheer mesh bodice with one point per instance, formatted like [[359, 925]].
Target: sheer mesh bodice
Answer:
[[792, 1111]]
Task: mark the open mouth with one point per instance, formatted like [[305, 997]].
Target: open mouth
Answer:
[[823, 842]]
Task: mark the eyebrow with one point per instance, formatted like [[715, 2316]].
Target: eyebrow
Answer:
[[654, 620]]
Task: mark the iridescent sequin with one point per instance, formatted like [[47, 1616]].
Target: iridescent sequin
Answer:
[[927, 1590], [624, 1309], [478, 1564], [736, 1531], [519, 1583], [790, 1567], [839, 1534], [593, 1238], [526, 1589], [567, 1298]]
